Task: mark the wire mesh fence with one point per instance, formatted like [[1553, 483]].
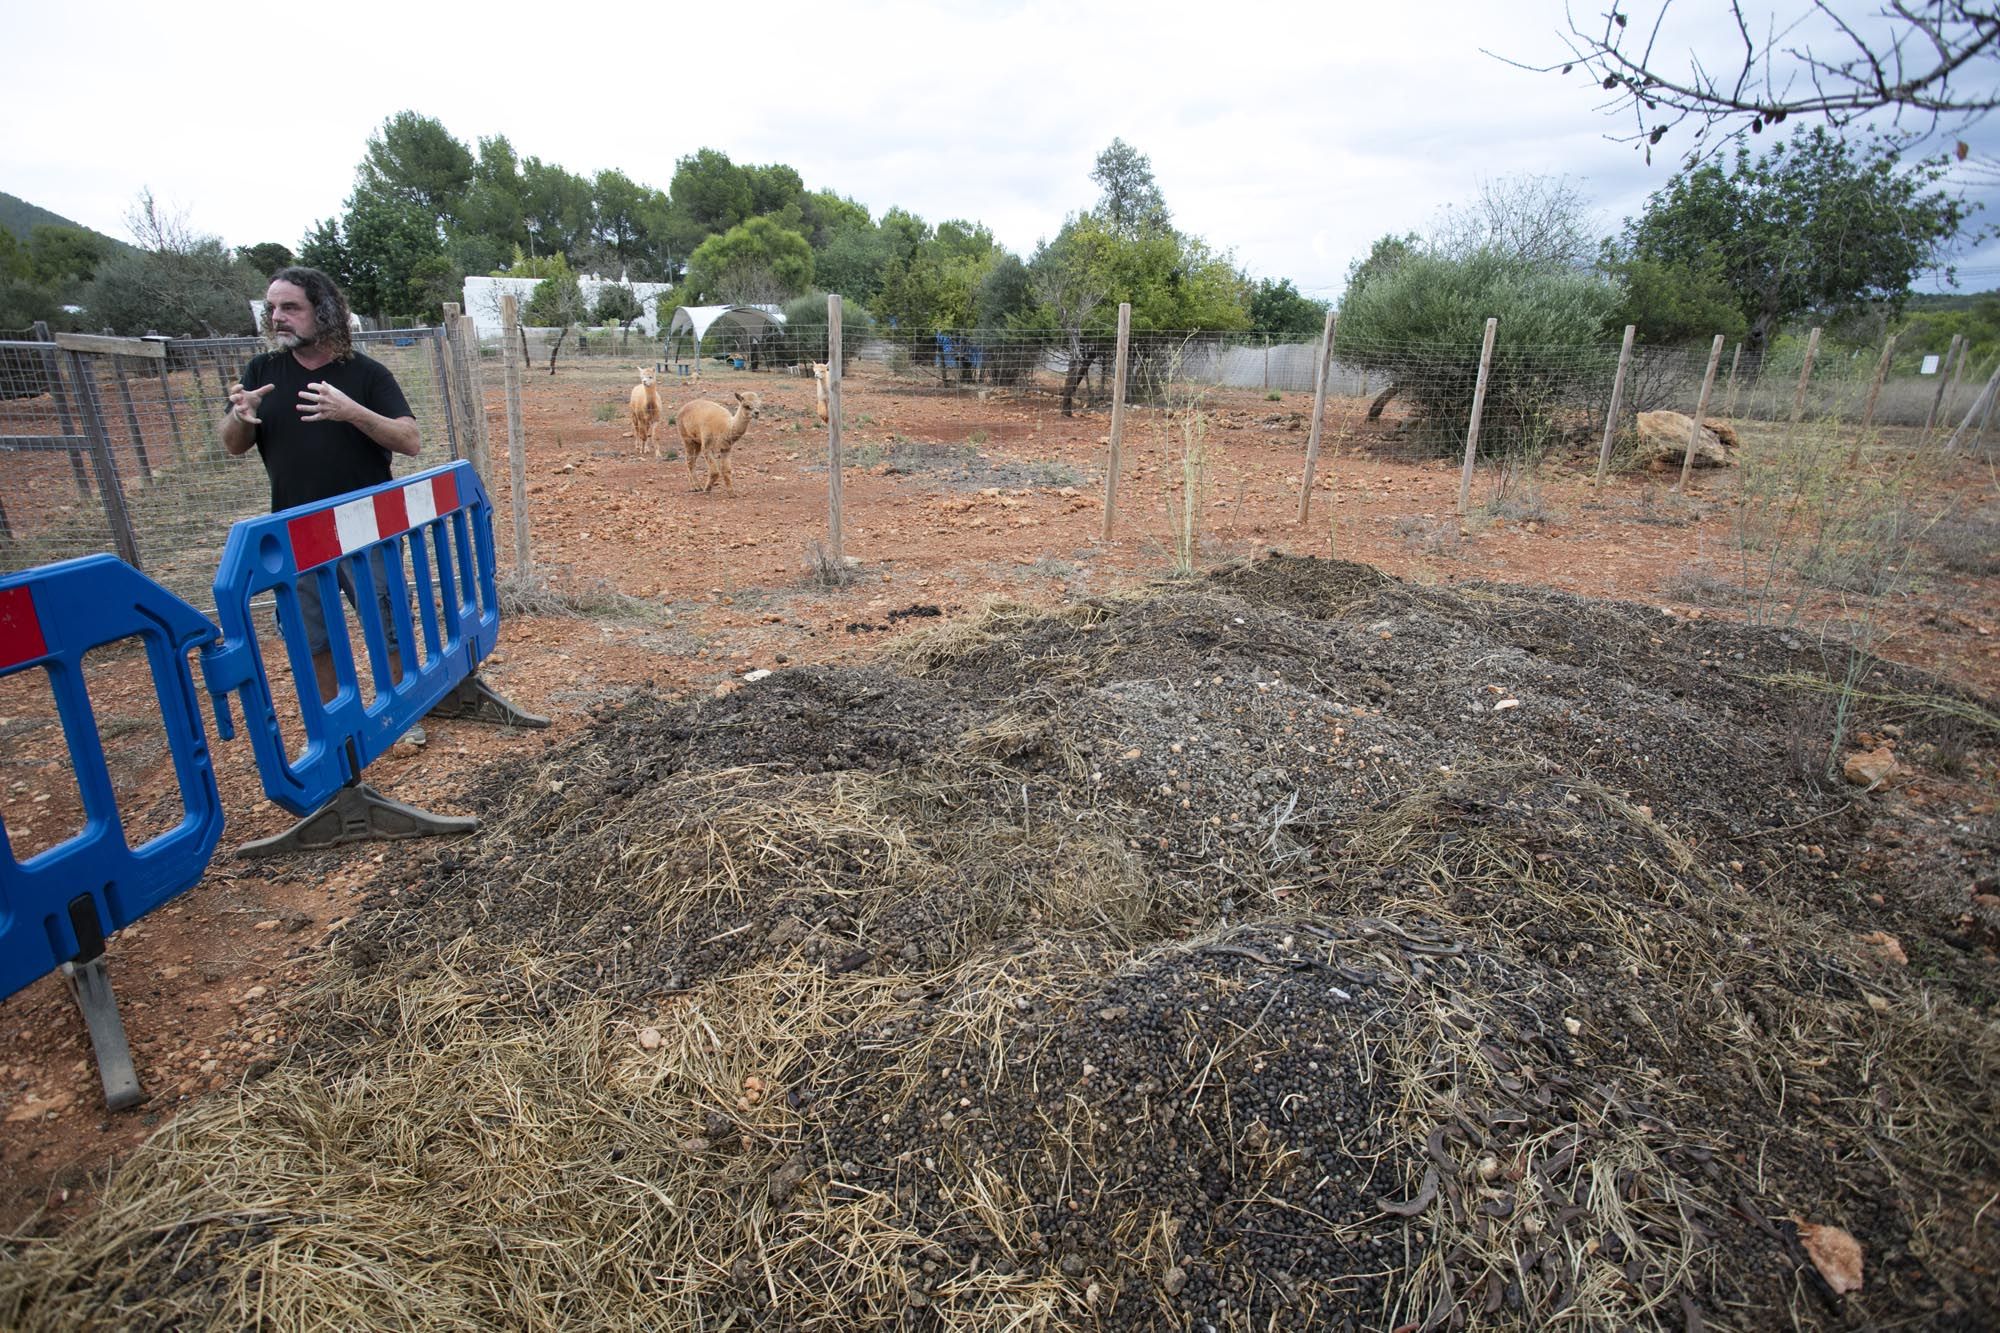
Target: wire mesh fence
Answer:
[[118, 449], [1415, 399]]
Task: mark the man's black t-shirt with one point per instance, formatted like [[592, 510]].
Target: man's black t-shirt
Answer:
[[317, 460]]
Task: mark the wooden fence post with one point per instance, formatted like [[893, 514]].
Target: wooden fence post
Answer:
[[1117, 418], [1472, 427], [1617, 403], [836, 540], [447, 386], [1944, 374], [1701, 410], [517, 445], [454, 385], [1957, 376], [474, 381], [1805, 376], [1729, 394], [1982, 407], [1875, 387], [1321, 373]]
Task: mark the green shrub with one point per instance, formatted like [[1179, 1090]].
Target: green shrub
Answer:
[[805, 328], [1421, 322]]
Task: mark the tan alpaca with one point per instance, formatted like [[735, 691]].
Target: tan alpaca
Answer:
[[712, 428], [646, 411], [819, 383]]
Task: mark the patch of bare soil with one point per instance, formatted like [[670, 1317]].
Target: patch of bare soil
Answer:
[[1296, 947]]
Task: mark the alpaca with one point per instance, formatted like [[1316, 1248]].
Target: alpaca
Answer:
[[646, 411], [714, 428], [819, 384]]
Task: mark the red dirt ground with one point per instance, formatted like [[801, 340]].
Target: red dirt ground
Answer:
[[952, 499]]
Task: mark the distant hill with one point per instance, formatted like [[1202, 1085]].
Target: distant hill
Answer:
[[1934, 303], [21, 217]]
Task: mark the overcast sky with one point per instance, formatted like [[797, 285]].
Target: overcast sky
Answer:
[[1289, 134]]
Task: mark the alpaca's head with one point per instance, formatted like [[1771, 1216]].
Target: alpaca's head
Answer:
[[819, 371], [752, 401], [645, 374]]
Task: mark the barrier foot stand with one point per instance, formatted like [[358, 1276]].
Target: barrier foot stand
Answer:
[[90, 984], [357, 813], [472, 700]]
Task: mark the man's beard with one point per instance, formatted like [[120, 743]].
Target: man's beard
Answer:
[[292, 341]]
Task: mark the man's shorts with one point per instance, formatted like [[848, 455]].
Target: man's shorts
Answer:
[[314, 614]]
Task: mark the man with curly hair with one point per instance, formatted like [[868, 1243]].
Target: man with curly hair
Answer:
[[336, 419]]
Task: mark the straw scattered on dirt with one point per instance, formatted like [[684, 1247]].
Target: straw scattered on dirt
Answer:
[[1293, 948]]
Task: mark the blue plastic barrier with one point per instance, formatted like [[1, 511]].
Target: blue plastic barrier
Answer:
[[438, 526], [58, 905]]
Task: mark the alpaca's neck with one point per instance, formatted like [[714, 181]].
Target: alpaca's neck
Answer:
[[739, 421]]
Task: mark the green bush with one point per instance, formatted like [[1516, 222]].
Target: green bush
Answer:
[[805, 328], [1421, 322], [617, 304]]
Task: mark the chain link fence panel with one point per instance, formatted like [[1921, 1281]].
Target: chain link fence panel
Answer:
[[123, 453]]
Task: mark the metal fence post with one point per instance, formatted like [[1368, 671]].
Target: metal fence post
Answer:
[[132, 419], [108, 486], [173, 418], [56, 391]]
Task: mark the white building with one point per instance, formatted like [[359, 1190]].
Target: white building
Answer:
[[482, 299]]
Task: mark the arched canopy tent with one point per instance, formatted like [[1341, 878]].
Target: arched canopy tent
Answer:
[[750, 323]]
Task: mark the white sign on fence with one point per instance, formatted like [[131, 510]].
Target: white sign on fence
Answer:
[[1929, 367]]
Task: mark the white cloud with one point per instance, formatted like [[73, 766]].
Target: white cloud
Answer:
[[1291, 134]]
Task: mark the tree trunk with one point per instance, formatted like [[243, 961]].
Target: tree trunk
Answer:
[[1079, 366], [1382, 401], [1755, 344], [527, 362], [557, 347]]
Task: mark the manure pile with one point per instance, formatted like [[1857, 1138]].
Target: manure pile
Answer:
[[1289, 949]]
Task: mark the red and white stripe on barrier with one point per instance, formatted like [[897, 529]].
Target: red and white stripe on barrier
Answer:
[[343, 529], [20, 628]]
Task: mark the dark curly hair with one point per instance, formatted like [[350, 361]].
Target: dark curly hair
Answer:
[[329, 307]]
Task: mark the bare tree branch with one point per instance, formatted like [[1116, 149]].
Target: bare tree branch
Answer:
[[1930, 63]]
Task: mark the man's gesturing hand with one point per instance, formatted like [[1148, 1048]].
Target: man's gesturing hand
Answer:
[[243, 402], [320, 401]]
